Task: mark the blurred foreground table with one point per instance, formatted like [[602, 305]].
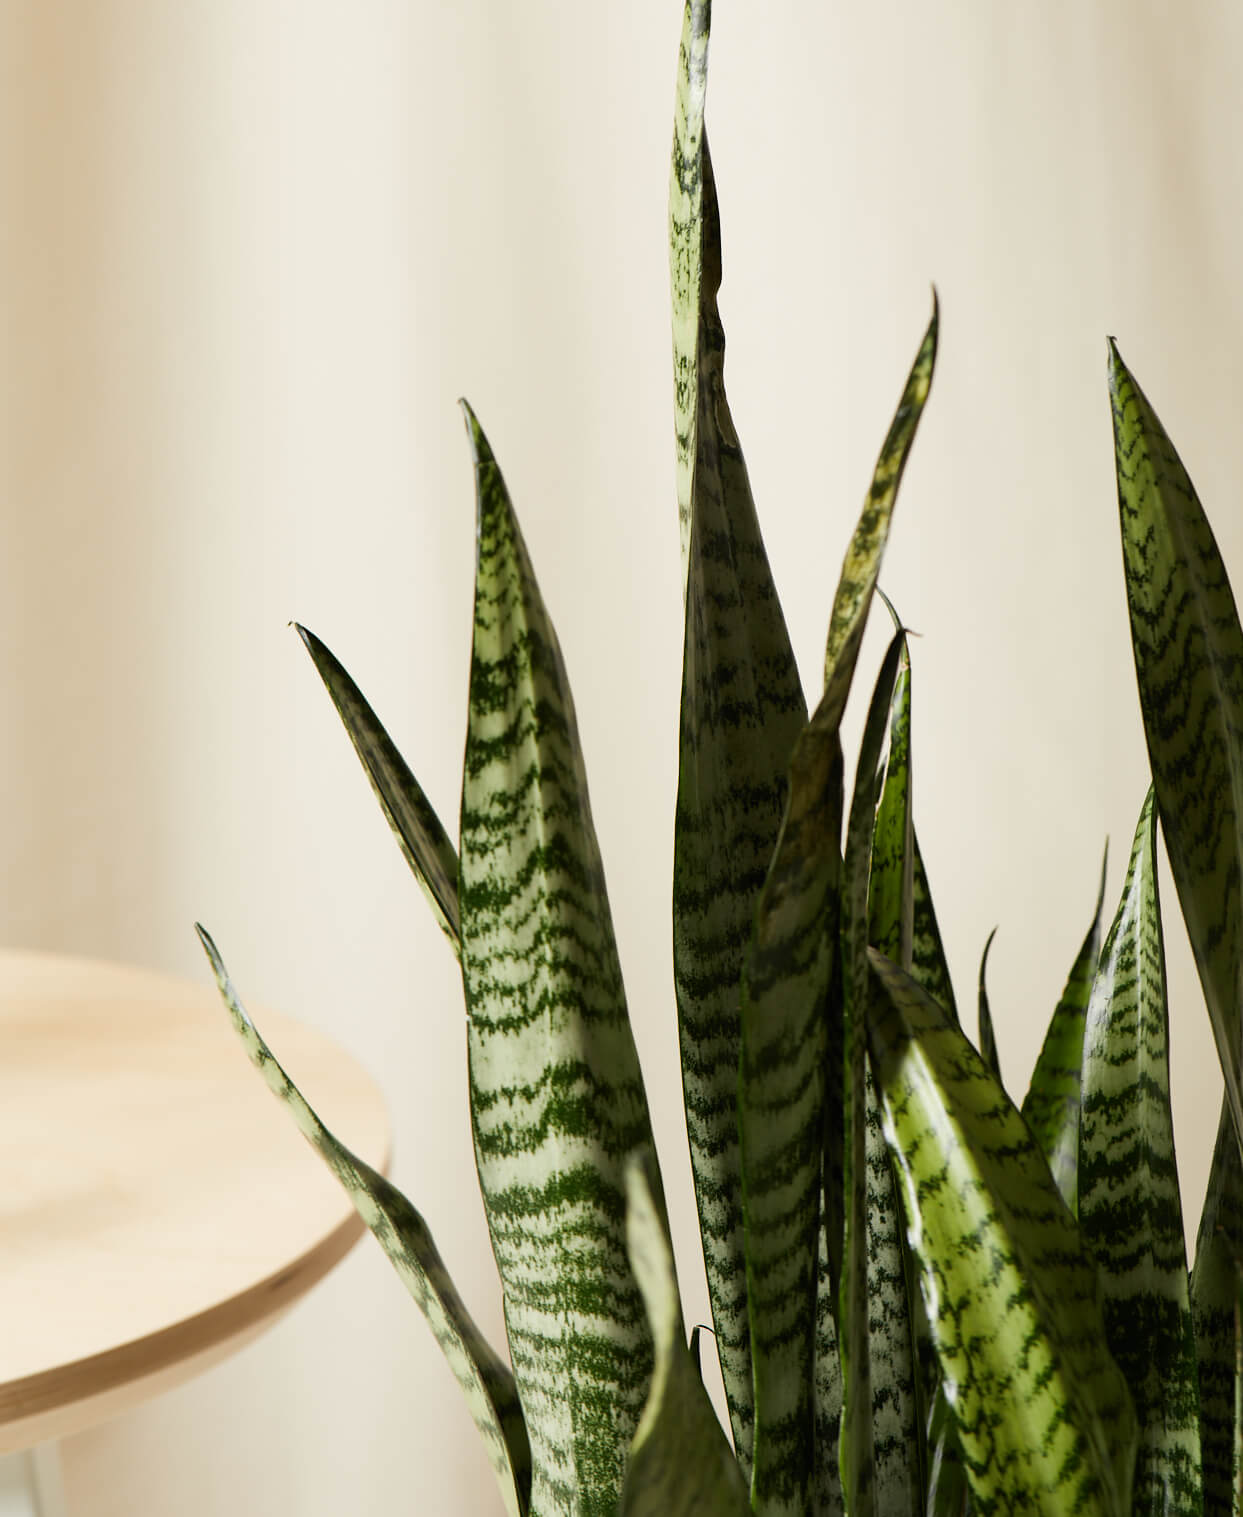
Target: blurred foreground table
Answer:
[[158, 1208]]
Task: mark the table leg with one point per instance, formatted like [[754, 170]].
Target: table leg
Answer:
[[30, 1483]]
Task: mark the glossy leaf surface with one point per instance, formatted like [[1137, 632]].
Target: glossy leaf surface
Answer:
[[1189, 663], [557, 1099], [742, 711], [486, 1381], [1129, 1209], [681, 1464], [1053, 1099], [423, 841], [1044, 1415]]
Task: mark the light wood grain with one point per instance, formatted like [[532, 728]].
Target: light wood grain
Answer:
[[157, 1206]]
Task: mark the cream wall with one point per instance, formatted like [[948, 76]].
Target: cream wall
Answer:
[[250, 254]]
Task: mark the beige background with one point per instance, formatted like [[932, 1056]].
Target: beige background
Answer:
[[251, 252]]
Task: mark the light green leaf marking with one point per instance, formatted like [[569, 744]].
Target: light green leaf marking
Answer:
[[686, 250], [1052, 1104], [871, 1346], [1189, 662], [989, 1051], [681, 1464], [1129, 1210], [826, 1491], [486, 1382], [742, 710], [1216, 1282], [423, 841], [1012, 1296], [557, 1098]]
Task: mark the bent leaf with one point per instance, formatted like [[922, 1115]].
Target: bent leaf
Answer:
[[680, 1463], [1216, 1285], [742, 710], [557, 1099], [1044, 1415], [1129, 1211], [423, 841], [1052, 1104], [1189, 663], [486, 1382]]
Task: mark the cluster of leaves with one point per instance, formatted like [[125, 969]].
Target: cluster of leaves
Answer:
[[925, 1298]]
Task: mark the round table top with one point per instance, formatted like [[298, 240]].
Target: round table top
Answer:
[[158, 1207]]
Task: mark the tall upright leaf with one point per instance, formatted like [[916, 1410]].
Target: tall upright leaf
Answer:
[[929, 966], [681, 1464], [1054, 1097], [686, 250], [423, 841], [989, 1051], [557, 1098], [742, 710], [1129, 1210], [1044, 1414], [870, 1333], [1189, 663], [486, 1381], [1216, 1285]]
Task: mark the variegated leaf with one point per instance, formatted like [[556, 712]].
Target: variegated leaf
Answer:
[[742, 710], [1044, 1414], [1052, 1104], [875, 1340], [1216, 1285], [1189, 662], [1129, 1210], [422, 839], [557, 1098], [486, 1381], [686, 250], [681, 1464], [781, 1092], [988, 1037], [929, 966]]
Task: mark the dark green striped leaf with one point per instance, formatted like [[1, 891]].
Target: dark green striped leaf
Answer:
[[874, 1336], [686, 249], [415, 825], [557, 1098], [929, 966], [1216, 1283], [681, 1464], [988, 1038], [1051, 1106], [949, 1490], [486, 1382], [742, 710], [1044, 1414], [1129, 1210], [781, 1091], [1189, 662]]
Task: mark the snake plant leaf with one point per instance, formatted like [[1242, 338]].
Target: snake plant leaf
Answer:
[[861, 565], [988, 1037], [557, 1098], [486, 1381], [1216, 1281], [781, 1120], [1189, 663], [929, 966], [879, 1470], [1054, 1097], [1129, 1210], [1044, 1414], [686, 251], [949, 1490], [681, 1464], [417, 828], [742, 711], [891, 885], [826, 1490]]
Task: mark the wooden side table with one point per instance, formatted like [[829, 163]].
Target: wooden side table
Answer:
[[158, 1208]]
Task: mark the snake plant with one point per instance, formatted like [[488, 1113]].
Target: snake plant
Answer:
[[928, 1296]]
